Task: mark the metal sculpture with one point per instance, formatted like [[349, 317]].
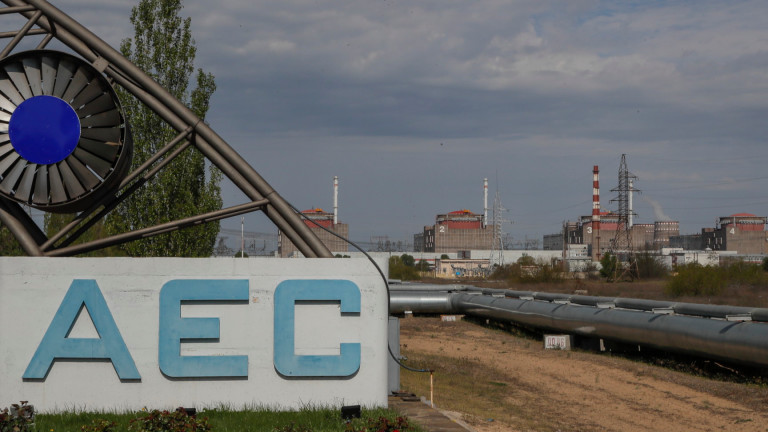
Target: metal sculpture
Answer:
[[83, 166]]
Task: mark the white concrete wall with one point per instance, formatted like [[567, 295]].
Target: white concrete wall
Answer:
[[511, 256], [32, 290]]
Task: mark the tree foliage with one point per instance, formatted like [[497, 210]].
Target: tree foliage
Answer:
[[163, 47], [399, 268], [608, 264], [9, 246], [528, 270]]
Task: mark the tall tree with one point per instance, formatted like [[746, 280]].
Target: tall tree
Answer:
[[163, 47], [9, 246]]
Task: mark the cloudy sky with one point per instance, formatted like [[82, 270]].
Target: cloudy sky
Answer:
[[412, 104]]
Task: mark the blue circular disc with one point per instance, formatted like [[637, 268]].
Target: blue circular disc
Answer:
[[44, 129]]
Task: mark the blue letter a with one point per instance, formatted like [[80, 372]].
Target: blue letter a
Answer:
[[56, 344]]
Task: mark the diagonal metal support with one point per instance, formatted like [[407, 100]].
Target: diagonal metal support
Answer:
[[177, 115]]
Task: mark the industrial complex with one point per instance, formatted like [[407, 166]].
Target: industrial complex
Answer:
[[467, 243]]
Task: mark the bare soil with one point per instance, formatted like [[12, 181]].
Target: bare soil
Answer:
[[497, 381]]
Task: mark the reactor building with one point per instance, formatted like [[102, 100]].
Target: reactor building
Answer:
[[320, 222]]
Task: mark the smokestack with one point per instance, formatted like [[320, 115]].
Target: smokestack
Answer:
[[595, 214], [485, 202], [335, 200]]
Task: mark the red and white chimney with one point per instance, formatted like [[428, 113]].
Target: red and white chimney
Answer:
[[485, 202], [595, 214]]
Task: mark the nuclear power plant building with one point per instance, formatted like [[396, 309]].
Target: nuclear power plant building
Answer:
[[313, 218], [455, 231]]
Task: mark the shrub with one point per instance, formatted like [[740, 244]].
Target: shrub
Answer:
[[20, 418], [650, 266], [527, 270], [381, 424], [400, 270], [608, 263], [161, 421], [100, 425], [694, 280]]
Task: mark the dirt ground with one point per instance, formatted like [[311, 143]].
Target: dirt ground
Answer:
[[496, 381]]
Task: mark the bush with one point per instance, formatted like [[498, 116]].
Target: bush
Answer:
[[608, 263], [695, 280], [20, 418], [161, 421], [650, 266], [399, 270], [527, 270], [100, 425]]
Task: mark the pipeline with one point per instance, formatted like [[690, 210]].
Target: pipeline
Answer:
[[727, 333]]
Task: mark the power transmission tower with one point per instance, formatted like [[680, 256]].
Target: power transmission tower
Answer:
[[621, 246], [497, 246]]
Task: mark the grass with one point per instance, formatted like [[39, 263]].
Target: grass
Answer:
[[469, 386], [225, 420]]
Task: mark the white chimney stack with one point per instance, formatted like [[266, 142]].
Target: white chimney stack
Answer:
[[485, 202], [335, 200]]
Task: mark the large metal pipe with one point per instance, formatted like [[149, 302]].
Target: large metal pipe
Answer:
[[741, 342], [718, 332]]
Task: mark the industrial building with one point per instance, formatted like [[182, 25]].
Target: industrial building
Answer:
[[743, 233], [605, 231], [460, 230], [455, 231], [329, 221]]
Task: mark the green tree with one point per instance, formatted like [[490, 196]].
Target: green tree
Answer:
[[422, 266], [407, 260], [9, 246], [398, 269], [163, 47], [54, 222], [608, 263]]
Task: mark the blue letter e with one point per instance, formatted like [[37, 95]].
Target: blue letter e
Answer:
[[286, 361], [56, 345]]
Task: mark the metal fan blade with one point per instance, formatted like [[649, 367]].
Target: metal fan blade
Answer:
[[5, 148], [108, 118], [85, 176], [19, 78], [41, 186], [3, 127], [24, 189], [99, 165], [9, 181], [49, 65], [6, 104], [4, 138], [10, 91], [89, 93], [63, 76], [71, 184], [57, 187], [34, 76], [99, 148], [101, 134], [98, 105], [5, 117], [8, 161], [79, 80]]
